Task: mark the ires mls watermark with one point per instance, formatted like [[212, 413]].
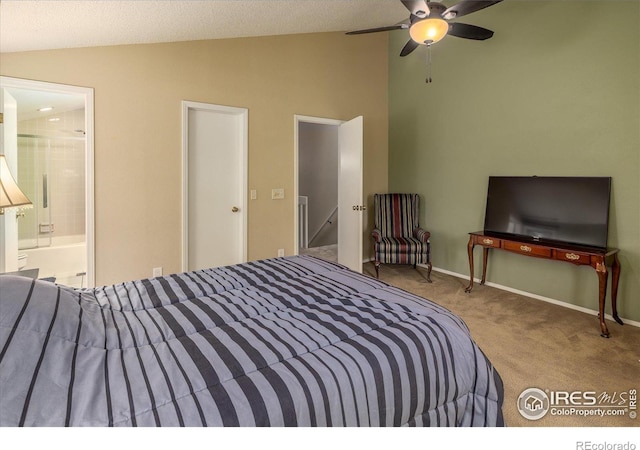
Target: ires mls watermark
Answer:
[[534, 403]]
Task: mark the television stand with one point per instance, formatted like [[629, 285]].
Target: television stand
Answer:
[[598, 259]]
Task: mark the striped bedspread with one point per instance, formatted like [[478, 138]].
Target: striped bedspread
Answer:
[[291, 341]]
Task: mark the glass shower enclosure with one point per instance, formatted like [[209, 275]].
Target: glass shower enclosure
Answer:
[[51, 169]]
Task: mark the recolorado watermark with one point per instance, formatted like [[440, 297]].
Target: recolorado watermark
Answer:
[[535, 403], [589, 445]]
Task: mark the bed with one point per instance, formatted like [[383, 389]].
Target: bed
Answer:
[[294, 341]]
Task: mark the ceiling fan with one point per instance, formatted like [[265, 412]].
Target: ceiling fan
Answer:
[[429, 22]]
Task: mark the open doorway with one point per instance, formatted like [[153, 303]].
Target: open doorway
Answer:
[[318, 165], [328, 189], [48, 140]]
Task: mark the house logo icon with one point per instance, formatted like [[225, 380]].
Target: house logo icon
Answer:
[[533, 404]]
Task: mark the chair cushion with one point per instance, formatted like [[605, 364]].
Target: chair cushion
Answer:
[[401, 250]]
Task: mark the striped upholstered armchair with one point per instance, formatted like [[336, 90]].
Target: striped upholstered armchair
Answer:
[[397, 235]]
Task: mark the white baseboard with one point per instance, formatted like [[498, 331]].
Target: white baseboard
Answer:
[[536, 296]]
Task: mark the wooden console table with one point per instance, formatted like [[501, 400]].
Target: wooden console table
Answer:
[[598, 259]]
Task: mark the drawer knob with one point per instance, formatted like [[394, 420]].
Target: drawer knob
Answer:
[[572, 256], [487, 241], [525, 248]]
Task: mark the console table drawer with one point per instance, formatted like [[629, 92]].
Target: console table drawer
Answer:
[[527, 249], [574, 257], [488, 241]]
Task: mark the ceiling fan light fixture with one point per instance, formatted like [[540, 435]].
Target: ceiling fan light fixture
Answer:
[[429, 31]]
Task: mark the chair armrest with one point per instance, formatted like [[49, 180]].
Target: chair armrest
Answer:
[[421, 234], [375, 234]]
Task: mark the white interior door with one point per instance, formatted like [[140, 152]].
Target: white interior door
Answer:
[[214, 178], [350, 204]]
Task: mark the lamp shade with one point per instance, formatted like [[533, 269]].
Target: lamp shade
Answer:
[[429, 31], [10, 194]]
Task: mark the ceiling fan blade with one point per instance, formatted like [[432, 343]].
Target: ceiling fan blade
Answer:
[[410, 46], [465, 7], [467, 31], [399, 26], [417, 7]]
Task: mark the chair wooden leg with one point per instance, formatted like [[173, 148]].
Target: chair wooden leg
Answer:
[[415, 265], [377, 264], [429, 266]]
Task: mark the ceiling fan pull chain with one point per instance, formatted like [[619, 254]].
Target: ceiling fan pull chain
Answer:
[[428, 79]]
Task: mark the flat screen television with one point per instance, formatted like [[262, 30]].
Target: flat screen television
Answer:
[[570, 211]]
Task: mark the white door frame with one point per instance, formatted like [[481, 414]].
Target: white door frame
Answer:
[[296, 152], [243, 138], [87, 93]]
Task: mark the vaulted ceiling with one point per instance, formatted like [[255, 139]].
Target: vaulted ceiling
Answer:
[[41, 25]]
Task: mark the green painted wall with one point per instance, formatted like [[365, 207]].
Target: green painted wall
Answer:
[[556, 91]]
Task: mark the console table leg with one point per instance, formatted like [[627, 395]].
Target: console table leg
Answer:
[[615, 277], [602, 278], [470, 252], [485, 257]]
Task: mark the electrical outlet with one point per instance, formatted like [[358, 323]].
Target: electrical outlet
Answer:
[[254, 194], [280, 252], [277, 194], [157, 271]]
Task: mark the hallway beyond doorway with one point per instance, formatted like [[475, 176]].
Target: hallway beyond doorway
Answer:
[[326, 252]]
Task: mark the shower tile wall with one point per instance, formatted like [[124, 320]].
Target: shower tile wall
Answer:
[[63, 151]]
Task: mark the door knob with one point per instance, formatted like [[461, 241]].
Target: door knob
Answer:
[[235, 209]]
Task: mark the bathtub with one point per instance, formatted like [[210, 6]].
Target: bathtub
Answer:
[[65, 259]]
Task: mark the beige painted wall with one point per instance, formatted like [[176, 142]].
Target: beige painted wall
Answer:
[[138, 94], [559, 99]]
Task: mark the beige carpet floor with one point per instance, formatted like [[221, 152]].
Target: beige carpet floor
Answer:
[[533, 343]]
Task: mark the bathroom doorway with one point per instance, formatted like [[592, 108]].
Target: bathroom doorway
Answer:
[[48, 135]]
